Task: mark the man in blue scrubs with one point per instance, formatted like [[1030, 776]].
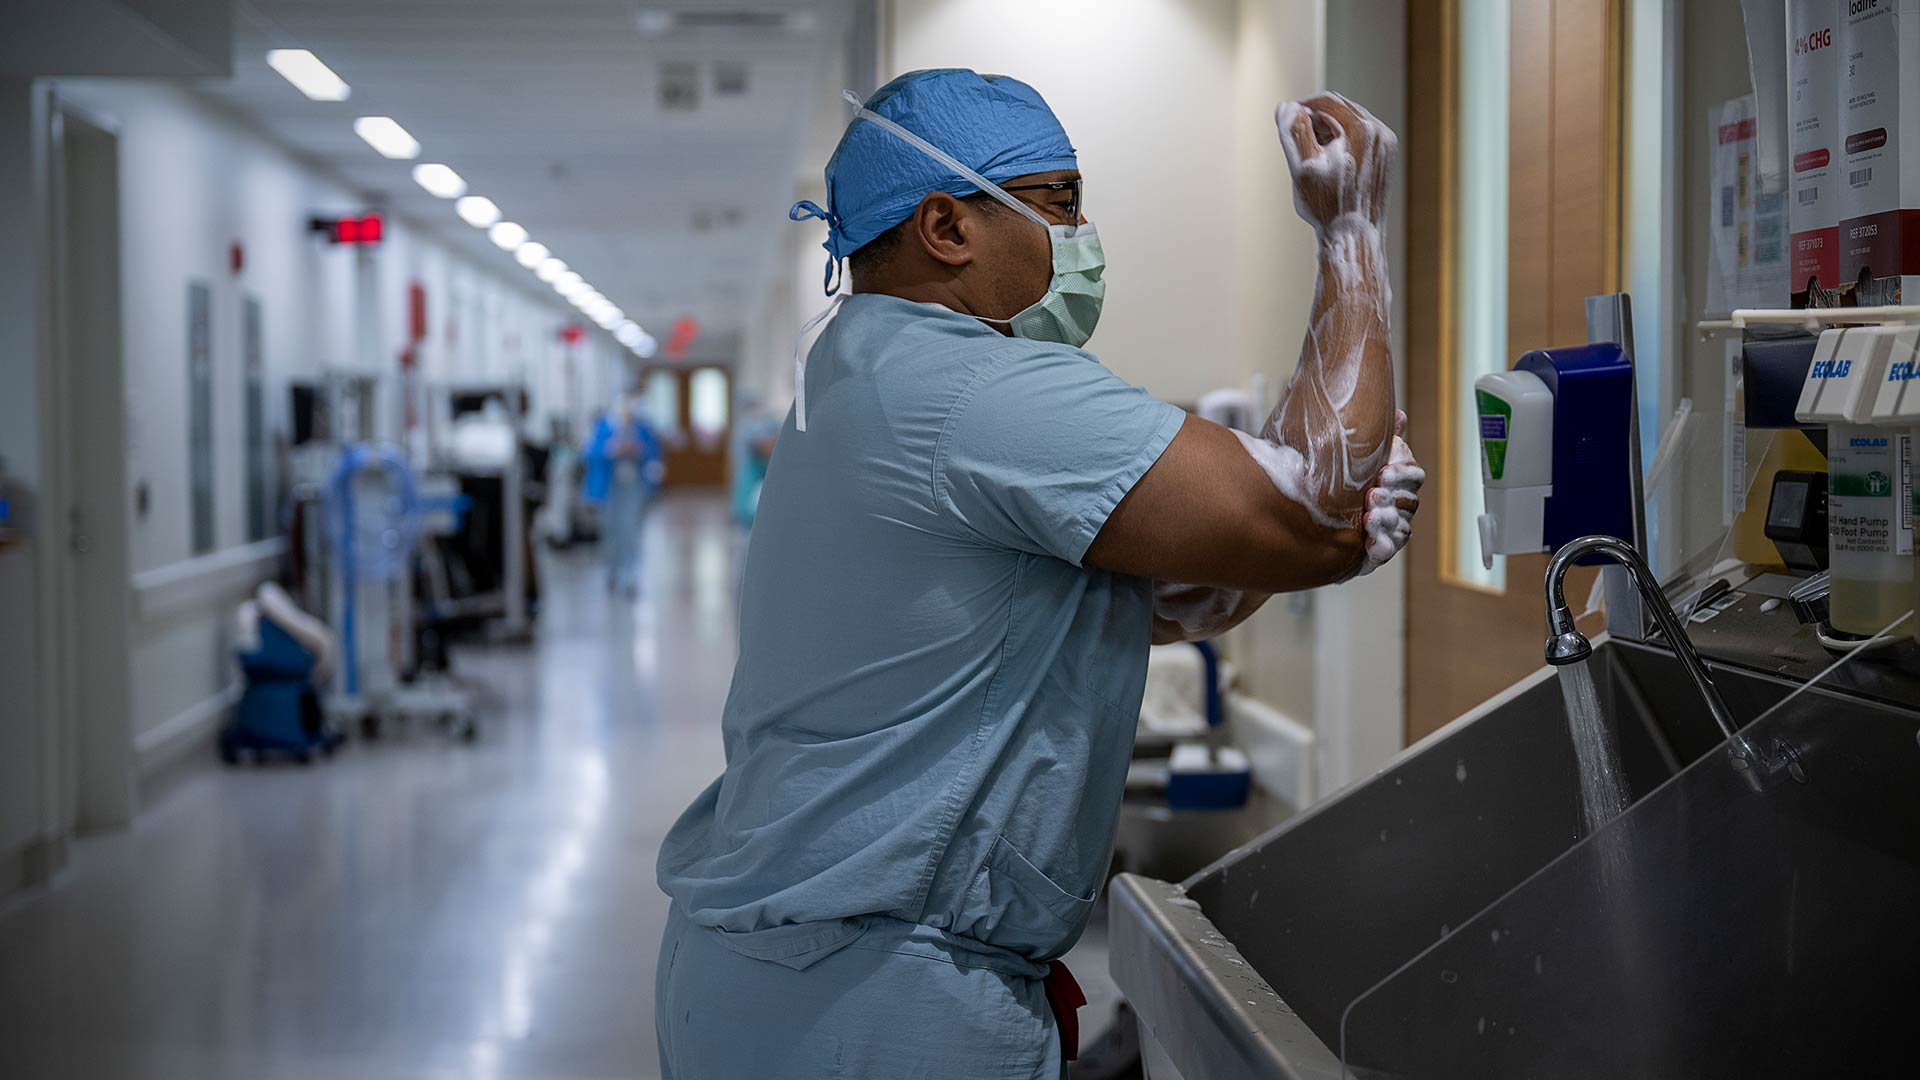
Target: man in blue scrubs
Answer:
[[945, 620]]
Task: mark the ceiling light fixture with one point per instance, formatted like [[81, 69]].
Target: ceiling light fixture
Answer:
[[531, 254], [628, 333], [477, 211], [551, 270], [308, 75], [385, 135], [440, 181], [646, 347], [507, 235]]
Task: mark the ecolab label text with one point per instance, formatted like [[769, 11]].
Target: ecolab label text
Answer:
[[1904, 371], [1830, 369], [1878, 441]]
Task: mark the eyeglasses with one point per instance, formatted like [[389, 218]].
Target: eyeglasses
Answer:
[[1074, 203]]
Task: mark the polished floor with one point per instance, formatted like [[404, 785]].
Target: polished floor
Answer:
[[417, 907]]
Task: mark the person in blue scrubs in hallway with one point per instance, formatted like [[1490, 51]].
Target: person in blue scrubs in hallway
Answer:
[[945, 622], [625, 466]]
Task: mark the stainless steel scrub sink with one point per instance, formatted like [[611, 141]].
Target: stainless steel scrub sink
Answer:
[[1417, 914]]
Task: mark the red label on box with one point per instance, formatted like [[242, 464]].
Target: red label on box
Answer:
[[1878, 246], [1812, 159], [1814, 263]]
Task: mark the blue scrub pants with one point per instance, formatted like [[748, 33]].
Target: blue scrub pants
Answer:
[[862, 1013], [623, 515]]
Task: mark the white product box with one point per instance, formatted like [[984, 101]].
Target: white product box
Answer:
[[1879, 177], [1813, 144]]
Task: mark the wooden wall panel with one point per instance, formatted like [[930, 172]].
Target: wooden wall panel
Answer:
[[1465, 644]]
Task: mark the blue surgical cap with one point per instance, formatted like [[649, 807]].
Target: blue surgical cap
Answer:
[[997, 126]]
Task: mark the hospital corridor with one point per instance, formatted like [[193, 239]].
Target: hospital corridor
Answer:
[[959, 539]]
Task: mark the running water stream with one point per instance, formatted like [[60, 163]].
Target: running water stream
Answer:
[[1603, 791]]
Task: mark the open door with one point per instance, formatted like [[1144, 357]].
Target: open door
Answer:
[[691, 406], [95, 653], [1533, 89]]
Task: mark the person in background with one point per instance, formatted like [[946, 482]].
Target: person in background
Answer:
[[625, 467]]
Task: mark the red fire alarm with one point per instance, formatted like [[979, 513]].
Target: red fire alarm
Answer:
[[366, 229], [685, 330]]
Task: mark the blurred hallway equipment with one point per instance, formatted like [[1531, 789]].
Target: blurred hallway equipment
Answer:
[[280, 650], [374, 519], [483, 451]]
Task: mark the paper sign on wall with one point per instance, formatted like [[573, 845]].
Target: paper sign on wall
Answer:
[[1747, 267]]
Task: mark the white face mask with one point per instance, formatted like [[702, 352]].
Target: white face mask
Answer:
[[1066, 313]]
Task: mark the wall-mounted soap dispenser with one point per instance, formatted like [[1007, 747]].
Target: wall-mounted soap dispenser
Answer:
[[1556, 449]]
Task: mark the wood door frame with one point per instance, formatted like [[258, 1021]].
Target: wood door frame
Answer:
[[1507, 626]]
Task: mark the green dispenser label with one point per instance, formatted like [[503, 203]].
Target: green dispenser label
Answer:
[[1495, 416]]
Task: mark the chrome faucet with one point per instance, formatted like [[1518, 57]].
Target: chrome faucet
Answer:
[[1566, 645]]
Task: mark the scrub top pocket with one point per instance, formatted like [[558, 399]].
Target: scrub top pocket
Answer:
[[1019, 908]]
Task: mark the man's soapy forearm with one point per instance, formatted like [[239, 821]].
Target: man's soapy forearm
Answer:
[[1327, 439]]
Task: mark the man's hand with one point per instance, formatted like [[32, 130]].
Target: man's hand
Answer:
[[1339, 156], [1392, 501]]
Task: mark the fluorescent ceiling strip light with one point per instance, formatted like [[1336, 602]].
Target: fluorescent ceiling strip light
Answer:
[[386, 136], [477, 211], [531, 254], [308, 75], [551, 270], [440, 181], [507, 235]]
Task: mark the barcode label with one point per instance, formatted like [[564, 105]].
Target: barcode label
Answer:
[[1903, 492], [1859, 177], [1809, 195]]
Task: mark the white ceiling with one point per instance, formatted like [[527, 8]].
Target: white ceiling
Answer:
[[551, 108]]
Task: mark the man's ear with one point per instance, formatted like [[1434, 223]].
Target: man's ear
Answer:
[[943, 225]]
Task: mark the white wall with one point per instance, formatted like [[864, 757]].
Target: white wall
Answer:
[[1139, 88], [194, 181]]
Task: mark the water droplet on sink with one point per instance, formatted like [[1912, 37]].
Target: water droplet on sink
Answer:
[[1460, 771], [1536, 964], [1449, 977], [1496, 937], [1383, 836], [1445, 929], [1481, 1028]]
